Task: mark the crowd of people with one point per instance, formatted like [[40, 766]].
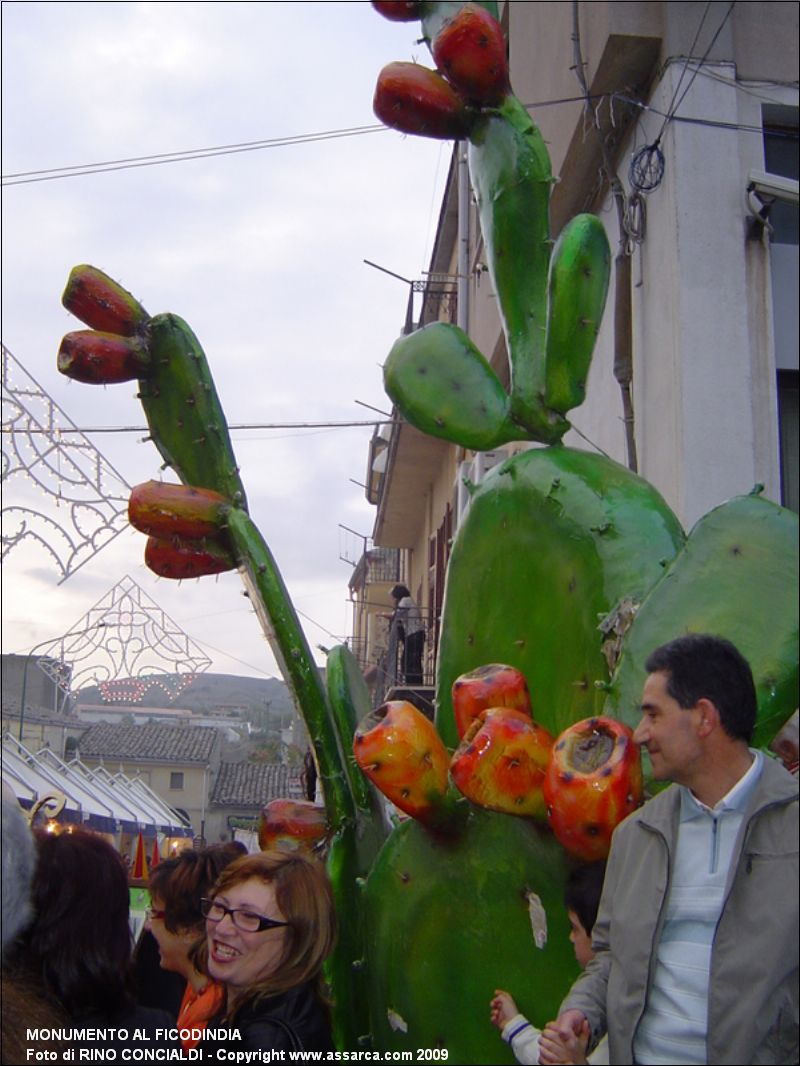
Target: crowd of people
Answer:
[[247, 936], [688, 936]]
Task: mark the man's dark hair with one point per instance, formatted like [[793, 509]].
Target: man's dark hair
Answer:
[[699, 666], [582, 892], [399, 592]]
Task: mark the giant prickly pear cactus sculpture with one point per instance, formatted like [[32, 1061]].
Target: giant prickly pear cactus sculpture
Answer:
[[202, 527], [554, 541], [465, 895]]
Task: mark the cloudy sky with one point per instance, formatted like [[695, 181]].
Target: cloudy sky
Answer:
[[261, 252]]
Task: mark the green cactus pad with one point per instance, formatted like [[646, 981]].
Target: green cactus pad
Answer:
[[577, 286], [184, 413], [737, 577], [446, 388], [510, 171], [450, 921], [554, 539]]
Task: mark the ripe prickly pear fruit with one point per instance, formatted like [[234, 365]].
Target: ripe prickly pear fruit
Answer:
[[470, 51], [501, 762], [177, 559], [291, 824], [593, 781], [399, 750], [102, 358], [494, 685], [163, 510], [102, 303], [398, 10], [414, 99]]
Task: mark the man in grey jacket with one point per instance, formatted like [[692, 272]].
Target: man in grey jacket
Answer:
[[696, 939]]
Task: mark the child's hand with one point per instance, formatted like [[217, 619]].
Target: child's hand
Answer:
[[503, 1008], [563, 1046]]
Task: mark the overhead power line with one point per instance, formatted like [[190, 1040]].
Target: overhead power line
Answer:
[[28, 177], [63, 431]]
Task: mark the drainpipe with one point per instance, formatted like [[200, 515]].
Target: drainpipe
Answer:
[[462, 268]]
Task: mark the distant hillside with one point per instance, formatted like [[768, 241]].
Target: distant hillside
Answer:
[[204, 694]]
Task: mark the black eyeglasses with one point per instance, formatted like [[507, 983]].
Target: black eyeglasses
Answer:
[[247, 921]]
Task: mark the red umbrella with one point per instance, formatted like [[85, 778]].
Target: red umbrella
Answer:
[[155, 858], [140, 862]]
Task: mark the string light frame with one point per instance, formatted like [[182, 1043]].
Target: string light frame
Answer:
[[85, 497]]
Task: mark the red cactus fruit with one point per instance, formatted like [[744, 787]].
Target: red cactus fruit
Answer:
[[470, 51], [399, 750], [494, 685], [500, 763], [414, 99], [178, 559], [593, 781], [102, 358], [164, 510], [398, 10], [291, 824], [102, 303]]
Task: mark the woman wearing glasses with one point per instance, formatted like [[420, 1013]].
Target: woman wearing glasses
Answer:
[[176, 923], [269, 927]]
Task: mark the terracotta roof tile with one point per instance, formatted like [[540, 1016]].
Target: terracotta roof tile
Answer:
[[158, 743], [249, 784]]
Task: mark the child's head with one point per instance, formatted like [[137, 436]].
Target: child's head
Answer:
[[582, 898]]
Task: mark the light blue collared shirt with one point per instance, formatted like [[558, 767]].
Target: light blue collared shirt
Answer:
[[674, 1025]]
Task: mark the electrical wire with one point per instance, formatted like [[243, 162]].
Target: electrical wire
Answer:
[[672, 104], [237, 426], [673, 108], [28, 177], [87, 169]]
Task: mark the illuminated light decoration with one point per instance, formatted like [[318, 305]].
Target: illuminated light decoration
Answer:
[[62, 494], [134, 689]]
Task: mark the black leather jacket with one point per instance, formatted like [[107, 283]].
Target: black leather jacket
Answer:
[[293, 1021]]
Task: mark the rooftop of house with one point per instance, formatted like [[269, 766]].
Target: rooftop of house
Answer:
[[249, 784], [152, 743]]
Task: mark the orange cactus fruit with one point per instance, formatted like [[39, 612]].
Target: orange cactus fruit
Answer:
[[398, 10], [291, 824], [400, 751], [494, 685], [102, 303], [470, 51], [163, 510], [178, 560], [593, 781], [501, 762], [414, 99], [102, 358]]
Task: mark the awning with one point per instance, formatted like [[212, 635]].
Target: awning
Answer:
[[101, 801]]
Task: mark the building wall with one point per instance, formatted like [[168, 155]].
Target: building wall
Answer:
[[704, 365], [193, 797]]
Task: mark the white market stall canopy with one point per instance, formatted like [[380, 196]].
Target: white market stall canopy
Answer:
[[102, 801]]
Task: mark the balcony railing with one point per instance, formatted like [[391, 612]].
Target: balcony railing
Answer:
[[385, 668]]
